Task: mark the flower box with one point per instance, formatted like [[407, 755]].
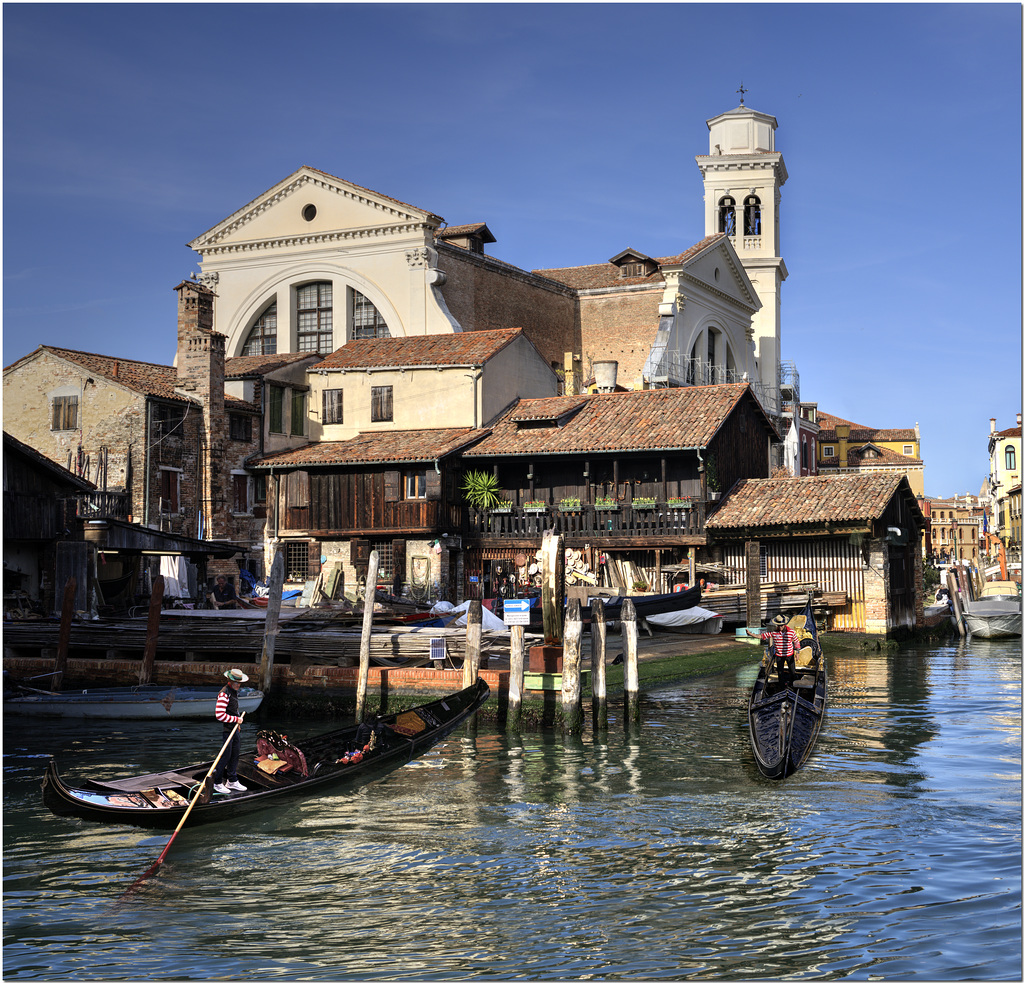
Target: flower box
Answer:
[[680, 503], [606, 505], [535, 507], [500, 509], [645, 503], [570, 505]]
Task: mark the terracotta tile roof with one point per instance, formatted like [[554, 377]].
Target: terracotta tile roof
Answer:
[[764, 502], [462, 348], [649, 420], [386, 446], [601, 275], [827, 422], [249, 365], [458, 231], [142, 377], [1012, 432], [855, 458]]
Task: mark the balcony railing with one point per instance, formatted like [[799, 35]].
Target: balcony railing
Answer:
[[588, 522], [102, 505]]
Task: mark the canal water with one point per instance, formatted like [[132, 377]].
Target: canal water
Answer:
[[895, 854]]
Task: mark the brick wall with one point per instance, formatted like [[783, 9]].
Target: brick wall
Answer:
[[621, 327]]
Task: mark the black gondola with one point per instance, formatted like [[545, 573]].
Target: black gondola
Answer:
[[342, 758], [785, 717]]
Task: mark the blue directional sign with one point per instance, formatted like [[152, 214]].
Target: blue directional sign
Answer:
[[517, 611]]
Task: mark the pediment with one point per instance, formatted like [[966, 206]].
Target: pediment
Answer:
[[719, 269], [316, 206]]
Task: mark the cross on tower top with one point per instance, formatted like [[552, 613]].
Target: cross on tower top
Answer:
[[742, 91]]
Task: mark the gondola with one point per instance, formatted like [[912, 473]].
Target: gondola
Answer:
[[785, 720], [276, 771]]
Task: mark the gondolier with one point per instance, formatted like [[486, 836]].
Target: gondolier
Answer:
[[784, 642], [226, 711]]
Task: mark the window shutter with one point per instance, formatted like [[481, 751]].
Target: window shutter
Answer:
[[360, 552], [433, 485], [398, 558], [392, 486], [314, 559]]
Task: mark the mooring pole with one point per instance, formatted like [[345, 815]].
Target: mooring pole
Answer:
[[631, 689], [275, 587], [67, 612], [156, 601], [598, 673], [515, 680], [474, 627], [572, 697], [369, 599]]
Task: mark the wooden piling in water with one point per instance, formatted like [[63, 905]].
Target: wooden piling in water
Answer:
[[369, 599], [572, 693], [67, 612], [954, 596], [598, 670], [156, 602], [474, 630], [275, 587], [631, 683], [516, 671]]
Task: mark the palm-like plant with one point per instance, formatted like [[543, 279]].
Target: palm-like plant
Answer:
[[481, 489]]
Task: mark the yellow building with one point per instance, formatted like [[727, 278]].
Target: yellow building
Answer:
[[851, 448]]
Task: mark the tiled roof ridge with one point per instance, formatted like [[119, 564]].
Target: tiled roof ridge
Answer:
[[112, 358]]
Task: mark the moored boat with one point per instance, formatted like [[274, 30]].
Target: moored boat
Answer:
[[123, 702], [275, 771], [785, 719]]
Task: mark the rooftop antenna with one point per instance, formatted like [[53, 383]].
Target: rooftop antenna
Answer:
[[742, 92]]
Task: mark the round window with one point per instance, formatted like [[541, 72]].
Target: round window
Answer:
[[309, 213]]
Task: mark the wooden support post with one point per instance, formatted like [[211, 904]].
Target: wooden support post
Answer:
[[552, 585], [275, 587], [156, 601], [599, 672], [954, 596], [474, 627], [67, 612], [753, 584], [369, 599], [631, 688], [572, 694], [515, 680]]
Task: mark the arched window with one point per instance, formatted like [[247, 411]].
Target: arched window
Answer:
[[1011, 457], [314, 310], [727, 216], [262, 338], [752, 216], [366, 319]]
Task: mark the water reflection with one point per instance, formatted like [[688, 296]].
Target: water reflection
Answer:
[[658, 854]]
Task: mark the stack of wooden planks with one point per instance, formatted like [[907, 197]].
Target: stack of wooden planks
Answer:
[[786, 598]]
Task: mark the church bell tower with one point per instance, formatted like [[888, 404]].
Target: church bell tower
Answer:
[[743, 178]]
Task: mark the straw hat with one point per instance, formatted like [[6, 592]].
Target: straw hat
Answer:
[[236, 676], [779, 620]]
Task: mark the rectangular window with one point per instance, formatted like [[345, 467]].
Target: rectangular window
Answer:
[[240, 427], [168, 421], [828, 452], [298, 427], [296, 560], [416, 484], [315, 314], [259, 488], [381, 407], [908, 450], [240, 493], [332, 406], [65, 413], [169, 483], [385, 559], [275, 408]]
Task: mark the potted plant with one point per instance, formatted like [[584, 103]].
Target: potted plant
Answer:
[[644, 503], [569, 505], [641, 586], [535, 506], [481, 489], [711, 478], [605, 503]]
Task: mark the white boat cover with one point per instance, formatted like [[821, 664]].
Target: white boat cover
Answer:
[[694, 620]]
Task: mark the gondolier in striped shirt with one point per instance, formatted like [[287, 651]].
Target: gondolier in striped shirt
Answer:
[[225, 778], [784, 642]]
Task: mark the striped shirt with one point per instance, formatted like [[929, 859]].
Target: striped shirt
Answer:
[[226, 710], [785, 641]]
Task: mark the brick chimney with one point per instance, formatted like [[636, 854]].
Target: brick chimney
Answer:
[[201, 352]]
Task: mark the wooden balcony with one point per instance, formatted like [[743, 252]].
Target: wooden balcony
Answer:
[[102, 505], [623, 526], [406, 518]]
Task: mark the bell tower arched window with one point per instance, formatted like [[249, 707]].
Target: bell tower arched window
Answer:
[[315, 316], [752, 216], [262, 338], [727, 215]]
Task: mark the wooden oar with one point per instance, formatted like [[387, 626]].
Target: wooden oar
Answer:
[[198, 795]]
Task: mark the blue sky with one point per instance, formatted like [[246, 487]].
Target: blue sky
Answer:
[[571, 130]]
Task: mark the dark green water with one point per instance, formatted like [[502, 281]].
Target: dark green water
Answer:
[[895, 854]]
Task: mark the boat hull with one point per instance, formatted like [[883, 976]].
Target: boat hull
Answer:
[[128, 703], [993, 617], [126, 801]]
